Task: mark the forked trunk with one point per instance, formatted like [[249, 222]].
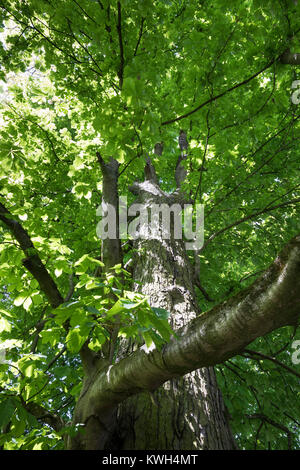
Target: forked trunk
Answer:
[[188, 412]]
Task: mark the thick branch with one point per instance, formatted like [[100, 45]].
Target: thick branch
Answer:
[[32, 262], [180, 171], [111, 246], [271, 302], [71, 288]]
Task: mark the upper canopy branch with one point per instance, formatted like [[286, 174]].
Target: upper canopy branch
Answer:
[[265, 210], [216, 97], [285, 58], [119, 29]]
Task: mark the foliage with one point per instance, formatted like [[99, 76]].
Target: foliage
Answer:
[[75, 82]]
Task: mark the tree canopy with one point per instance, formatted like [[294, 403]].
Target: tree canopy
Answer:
[[85, 76]]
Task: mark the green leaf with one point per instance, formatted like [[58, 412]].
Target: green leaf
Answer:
[[51, 336], [27, 303], [4, 325], [161, 313], [148, 338], [7, 409], [66, 310], [115, 310], [76, 338], [20, 300]]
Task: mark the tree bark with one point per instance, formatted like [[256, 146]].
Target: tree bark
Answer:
[[172, 410], [185, 413]]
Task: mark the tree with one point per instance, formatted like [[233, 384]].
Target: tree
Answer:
[[127, 344]]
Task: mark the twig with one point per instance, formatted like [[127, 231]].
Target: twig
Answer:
[[283, 428], [201, 288], [71, 288], [249, 217], [85, 12], [203, 159], [55, 358], [128, 163], [234, 87], [140, 37], [119, 29], [269, 358], [254, 172], [220, 95]]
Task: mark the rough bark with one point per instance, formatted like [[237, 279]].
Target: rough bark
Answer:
[[185, 414], [189, 412], [203, 340], [111, 248]]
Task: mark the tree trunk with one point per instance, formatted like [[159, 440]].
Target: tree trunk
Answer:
[[121, 405], [185, 413]]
